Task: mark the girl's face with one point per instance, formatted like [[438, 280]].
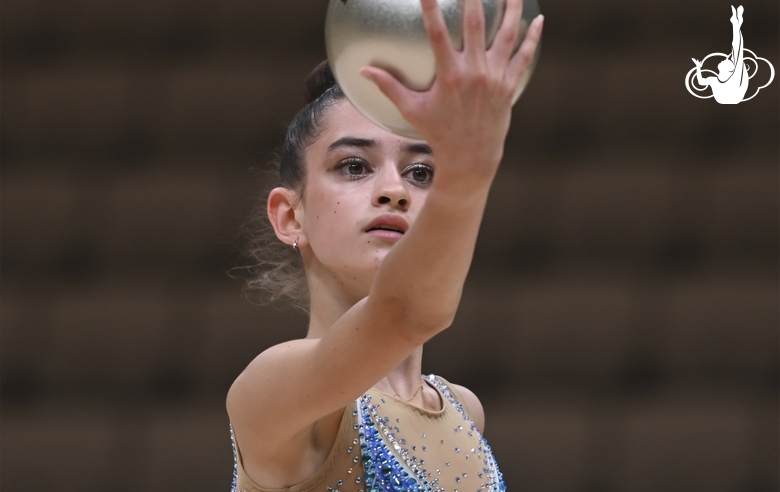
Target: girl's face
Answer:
[[364, 189]]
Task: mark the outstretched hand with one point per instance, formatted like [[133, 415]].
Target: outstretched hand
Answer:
[[465, 114], [697, 62]]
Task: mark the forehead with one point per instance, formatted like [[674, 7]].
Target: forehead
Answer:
[[343, 120]]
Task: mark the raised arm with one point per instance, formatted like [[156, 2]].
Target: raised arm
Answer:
[[464, 117]]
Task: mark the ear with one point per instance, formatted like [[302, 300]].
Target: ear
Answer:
[[282, 208]]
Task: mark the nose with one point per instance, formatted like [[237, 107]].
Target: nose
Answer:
[[390, 189]]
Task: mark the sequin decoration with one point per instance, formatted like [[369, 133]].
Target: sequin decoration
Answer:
[[388, 465], [234, 483], [383, 470], [495, 481]]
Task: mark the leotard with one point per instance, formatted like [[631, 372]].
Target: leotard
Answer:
[[385, 444]]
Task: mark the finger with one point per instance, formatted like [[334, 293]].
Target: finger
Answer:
[[520, 61], [506, 38], [438, 34], [398, 93], [473, 29]]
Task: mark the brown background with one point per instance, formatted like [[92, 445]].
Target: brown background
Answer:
[[620, 322]]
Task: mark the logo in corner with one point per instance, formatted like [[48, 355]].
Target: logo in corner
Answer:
[[730, 84]]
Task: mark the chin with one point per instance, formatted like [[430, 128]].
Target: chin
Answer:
[[378, 256]]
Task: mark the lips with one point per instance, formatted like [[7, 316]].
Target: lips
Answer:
[[388, 226]]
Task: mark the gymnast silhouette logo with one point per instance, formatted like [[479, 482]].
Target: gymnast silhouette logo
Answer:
[[735, 70]]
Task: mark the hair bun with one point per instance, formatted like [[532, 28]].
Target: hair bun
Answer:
[[318, 81]]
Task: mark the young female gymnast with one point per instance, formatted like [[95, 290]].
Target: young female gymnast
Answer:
[[731, 84], [386, 247]]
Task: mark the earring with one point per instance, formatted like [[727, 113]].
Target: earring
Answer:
[[295, 244]]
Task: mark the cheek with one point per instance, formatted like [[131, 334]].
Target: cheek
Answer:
[[331, 217], [419, 195]]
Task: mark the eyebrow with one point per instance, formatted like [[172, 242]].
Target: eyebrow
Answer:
[[367, 143], [419, 148]]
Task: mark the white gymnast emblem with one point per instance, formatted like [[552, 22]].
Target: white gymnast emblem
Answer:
[[730, 84]]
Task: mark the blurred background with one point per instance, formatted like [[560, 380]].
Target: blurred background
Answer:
[[620, 321]]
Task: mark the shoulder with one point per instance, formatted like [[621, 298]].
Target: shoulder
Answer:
[[472, 404], [259, 376], [262, 431]]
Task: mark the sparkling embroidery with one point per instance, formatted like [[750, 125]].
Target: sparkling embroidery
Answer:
[[388, 471], [495, 481], [234, 483], [383, 471], [388, 465]]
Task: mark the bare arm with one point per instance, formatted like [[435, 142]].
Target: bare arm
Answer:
[[416, 291]]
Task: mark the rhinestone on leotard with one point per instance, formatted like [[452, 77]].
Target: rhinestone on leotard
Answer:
[[386, 458]]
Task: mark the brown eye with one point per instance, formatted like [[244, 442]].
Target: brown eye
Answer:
[[355, 168], [420, 174]]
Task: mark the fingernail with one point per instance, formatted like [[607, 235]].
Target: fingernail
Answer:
[[540, 21]]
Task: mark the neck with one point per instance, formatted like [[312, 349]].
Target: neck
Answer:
[[328, 301], [406, 382], [406, 378], [330, 295]]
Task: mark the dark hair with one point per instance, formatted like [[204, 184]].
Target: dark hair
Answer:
[[321, 93], [275, 269]]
